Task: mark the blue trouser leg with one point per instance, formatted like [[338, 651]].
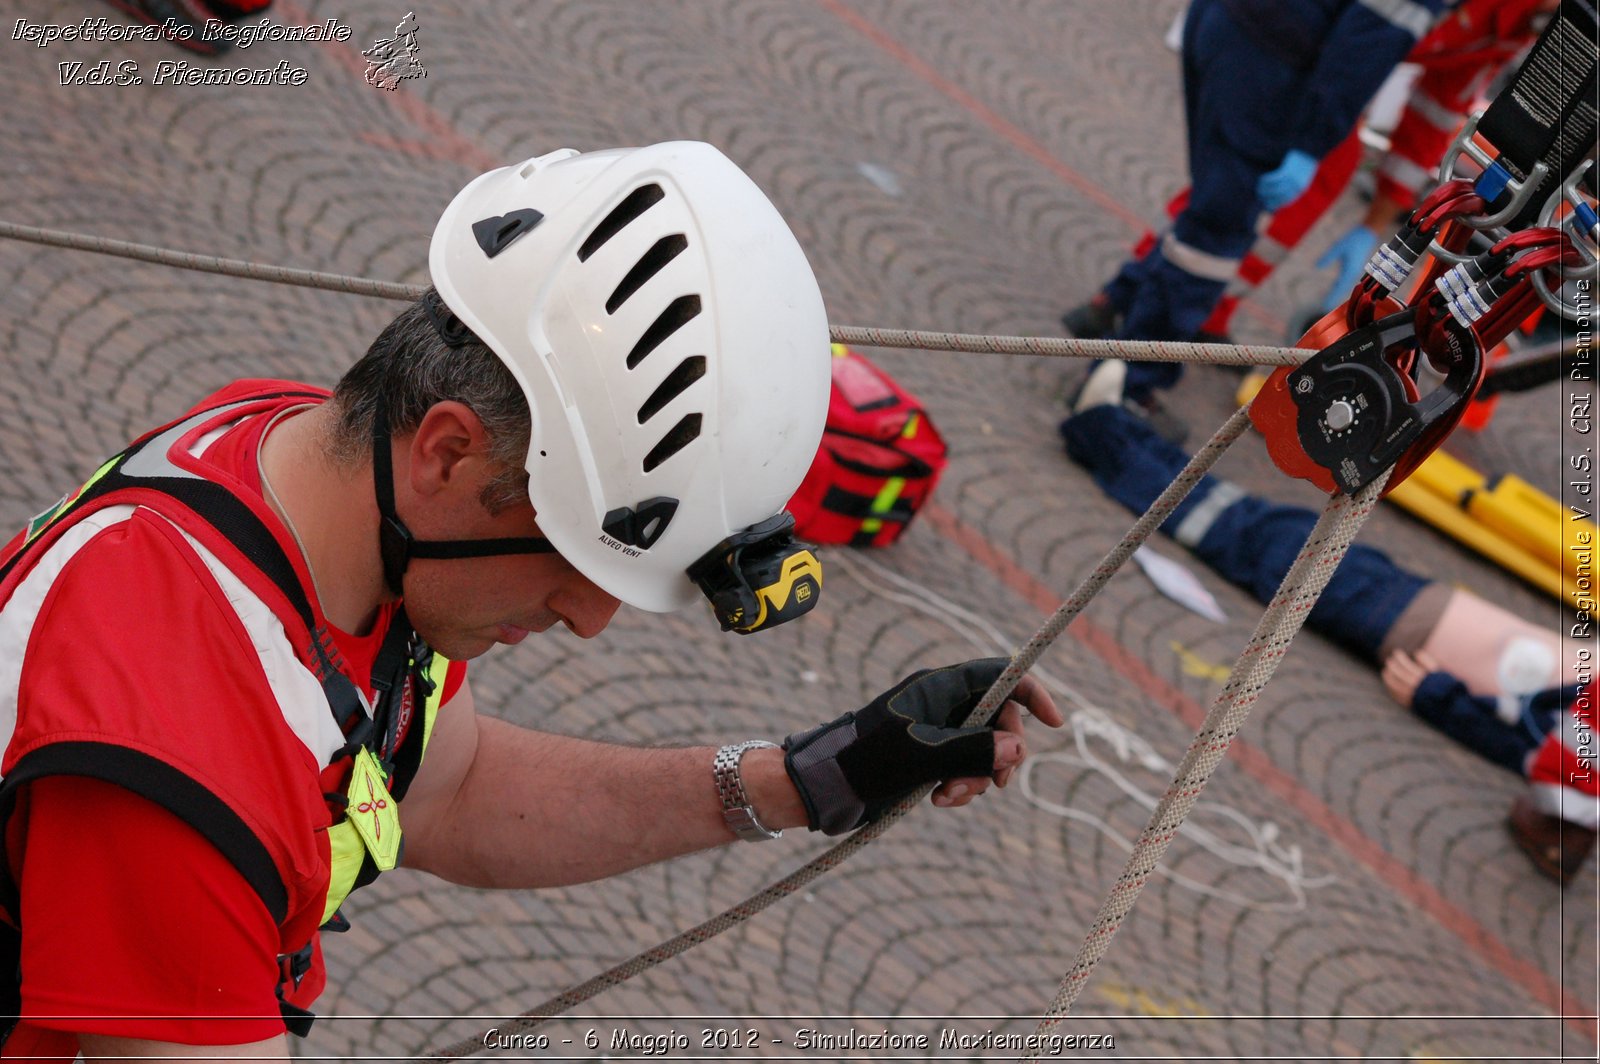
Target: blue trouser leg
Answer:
[[1121, 289], [1249, 541], [1171, 304], [1234, 96]]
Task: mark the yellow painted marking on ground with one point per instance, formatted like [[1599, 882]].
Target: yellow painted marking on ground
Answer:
[[1134, 999], [1195, 665]]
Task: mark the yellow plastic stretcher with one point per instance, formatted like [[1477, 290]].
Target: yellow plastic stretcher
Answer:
[[1508, 521]]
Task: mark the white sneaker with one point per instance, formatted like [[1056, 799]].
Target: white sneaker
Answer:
[[1102, 387]]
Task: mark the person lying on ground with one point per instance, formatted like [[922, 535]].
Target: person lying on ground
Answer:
[[1483, 676]]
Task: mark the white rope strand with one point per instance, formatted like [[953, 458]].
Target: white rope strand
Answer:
[[253, 271], [1131, 350]]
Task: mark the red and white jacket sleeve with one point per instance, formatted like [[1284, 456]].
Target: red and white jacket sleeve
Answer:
[[1562, 771]]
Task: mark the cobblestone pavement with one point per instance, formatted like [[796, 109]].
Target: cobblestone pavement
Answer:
[[967, 165]]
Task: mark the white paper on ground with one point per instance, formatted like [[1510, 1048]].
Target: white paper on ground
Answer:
[[1178, 584]]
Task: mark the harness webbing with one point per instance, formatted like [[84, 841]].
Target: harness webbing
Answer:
[[238, 526]]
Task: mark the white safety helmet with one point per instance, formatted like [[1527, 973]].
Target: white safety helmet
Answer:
[[671, 341]]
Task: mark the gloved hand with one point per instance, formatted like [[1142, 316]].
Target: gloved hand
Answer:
[[1350, 254], [1292, 177], [850, 770]]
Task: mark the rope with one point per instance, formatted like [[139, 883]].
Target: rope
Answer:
[[1131, 350], [992, 700], [1324, 548], [1135, 350], [254, 271]]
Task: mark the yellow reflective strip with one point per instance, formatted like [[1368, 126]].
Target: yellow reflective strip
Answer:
[[882, 502], [888, 494], [912, 423], [43, 521], [98, 473], [437, 669], [839, 350], [347, 853]]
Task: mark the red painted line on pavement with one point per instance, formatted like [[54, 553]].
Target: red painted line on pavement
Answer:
[[1253, 760], [983, 113]]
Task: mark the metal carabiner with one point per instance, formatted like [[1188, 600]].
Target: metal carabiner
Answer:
[[1584, 229], [1521, 191]]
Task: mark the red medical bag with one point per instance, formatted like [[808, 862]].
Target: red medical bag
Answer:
[[879, 461]]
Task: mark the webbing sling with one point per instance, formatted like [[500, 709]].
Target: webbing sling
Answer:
[[1547, 113]]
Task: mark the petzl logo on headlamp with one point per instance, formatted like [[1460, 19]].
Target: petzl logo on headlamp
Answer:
[[760, 577]]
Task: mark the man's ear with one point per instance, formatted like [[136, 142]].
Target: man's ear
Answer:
[[449, 442]]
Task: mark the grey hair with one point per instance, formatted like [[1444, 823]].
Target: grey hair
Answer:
[[409, 368]]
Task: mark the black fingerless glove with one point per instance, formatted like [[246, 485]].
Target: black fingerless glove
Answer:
[[850, 770]]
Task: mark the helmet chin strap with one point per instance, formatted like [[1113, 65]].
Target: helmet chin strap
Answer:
[[397, 546]]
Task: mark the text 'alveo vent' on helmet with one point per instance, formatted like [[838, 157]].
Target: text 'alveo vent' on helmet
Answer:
[[671, 340]]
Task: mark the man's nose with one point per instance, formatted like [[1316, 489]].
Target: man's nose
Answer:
[[593, 610]]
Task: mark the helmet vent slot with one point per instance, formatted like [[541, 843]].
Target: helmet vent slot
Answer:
[[689, 370], [655, 260], [637, 202], [683, 433], [679, 313]]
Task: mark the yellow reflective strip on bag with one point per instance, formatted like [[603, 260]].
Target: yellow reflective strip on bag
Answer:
[[883, 501]]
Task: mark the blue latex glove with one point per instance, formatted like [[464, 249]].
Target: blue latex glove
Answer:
[[1285, 184], [1350, 254]]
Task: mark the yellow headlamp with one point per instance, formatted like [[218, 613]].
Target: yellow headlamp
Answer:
[[759, 577]]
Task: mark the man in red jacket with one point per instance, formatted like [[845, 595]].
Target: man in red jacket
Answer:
[[231, 689]]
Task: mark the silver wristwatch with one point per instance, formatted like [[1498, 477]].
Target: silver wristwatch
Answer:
[[737, 812]]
